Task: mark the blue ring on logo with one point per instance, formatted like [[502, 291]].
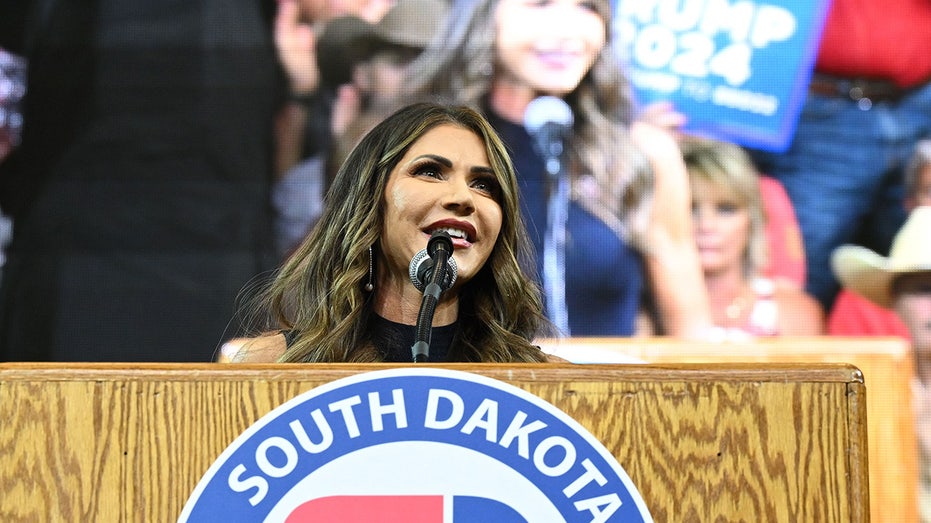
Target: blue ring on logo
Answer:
[[335, 419]]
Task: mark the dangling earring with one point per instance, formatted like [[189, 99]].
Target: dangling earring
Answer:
[[486, 69], [370, 285]]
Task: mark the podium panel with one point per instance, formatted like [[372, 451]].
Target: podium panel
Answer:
[[710, 442], [887, 368]]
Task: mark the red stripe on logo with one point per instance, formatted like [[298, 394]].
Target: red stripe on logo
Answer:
[[366, 509]]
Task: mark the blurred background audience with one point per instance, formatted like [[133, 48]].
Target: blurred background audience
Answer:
[[730, 230], [12, 89], [869, 102], [136, 154], [140, 190], [158, 159], [853, 315], [628, 243], [902, 282], [362, 67]]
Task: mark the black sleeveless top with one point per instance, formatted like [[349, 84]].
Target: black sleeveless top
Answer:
[[393, 340]]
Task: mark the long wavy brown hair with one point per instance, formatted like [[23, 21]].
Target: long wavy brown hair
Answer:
[[460, 66], [318, 293]]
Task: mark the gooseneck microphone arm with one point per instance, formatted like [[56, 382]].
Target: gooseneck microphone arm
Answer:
[[438, 279]]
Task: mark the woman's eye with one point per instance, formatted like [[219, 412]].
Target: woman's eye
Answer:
[[428, 169], [486, 185], [728, 208]]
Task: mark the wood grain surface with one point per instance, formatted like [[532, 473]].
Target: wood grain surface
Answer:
[[887, 367], [708, 442]]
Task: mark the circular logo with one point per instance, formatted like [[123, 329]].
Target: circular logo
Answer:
[[416, 445]]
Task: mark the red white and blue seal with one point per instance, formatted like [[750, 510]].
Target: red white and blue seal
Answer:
[[416, 445]]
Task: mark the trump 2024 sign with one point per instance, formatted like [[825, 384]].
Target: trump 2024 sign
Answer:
[[739, 70], [416, 445]]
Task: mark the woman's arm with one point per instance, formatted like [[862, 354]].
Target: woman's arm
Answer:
[[296, 47], [671, 259]]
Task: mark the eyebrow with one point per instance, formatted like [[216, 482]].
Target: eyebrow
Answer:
[[440, 159], [449, 164]]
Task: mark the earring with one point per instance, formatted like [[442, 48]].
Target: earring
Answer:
[[486, 69], [370, 285]]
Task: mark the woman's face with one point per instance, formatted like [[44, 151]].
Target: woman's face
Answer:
[[722, 227], [443, 182], [547, 45]]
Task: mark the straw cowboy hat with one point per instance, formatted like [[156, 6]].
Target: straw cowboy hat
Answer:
[[870, 275]]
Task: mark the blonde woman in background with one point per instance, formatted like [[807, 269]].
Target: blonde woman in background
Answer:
[[729, 222]]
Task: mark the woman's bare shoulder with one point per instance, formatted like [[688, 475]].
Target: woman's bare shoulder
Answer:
[[261, 349], [799, 313]]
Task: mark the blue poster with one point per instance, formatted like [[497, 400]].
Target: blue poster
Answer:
[[739, 70]]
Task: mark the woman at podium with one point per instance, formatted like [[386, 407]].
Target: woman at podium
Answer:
[[348, 292]]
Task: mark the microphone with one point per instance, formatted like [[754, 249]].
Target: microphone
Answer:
[[432, 276], [549, 120], [421, 269]]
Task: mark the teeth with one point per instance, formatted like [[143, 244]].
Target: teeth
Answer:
[[455, 233]]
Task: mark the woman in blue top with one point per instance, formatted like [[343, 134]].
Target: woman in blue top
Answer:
[[627, 228]]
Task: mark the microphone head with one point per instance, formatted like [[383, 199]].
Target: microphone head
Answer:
[[421, 268], [547, 110], [548, 120], [440, 240]]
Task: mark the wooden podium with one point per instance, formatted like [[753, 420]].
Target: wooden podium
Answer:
[[714, 442], [887, 369]]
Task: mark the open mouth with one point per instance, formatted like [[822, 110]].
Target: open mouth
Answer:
[[454, 233]]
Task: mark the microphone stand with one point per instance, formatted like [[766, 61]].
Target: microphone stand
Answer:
[[440, 248], [554, 245], [549, 120]]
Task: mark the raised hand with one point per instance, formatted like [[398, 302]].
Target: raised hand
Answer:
[[297, 51], [662, 115]]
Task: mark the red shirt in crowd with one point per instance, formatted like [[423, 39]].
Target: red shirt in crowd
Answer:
[[854, 315], [783, 237], [889, 39]]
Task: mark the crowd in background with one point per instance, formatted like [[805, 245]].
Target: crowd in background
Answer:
[[219, 163], [158, 161]]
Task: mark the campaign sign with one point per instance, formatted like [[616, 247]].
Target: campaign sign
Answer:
[[738, 69], [416, 445]]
